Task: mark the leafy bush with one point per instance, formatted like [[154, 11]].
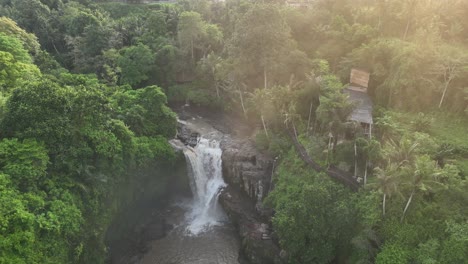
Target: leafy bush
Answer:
[[421, 123], [393, 254], [315, 217]]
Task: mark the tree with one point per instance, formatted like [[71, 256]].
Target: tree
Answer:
[[260, 41], [212, 39], [334, 108], [145, 111], [370, 152], [261, 102], [77, 17], [15, 48], [135, 63], [36, 110], [392, 254], [314, 217], [37, 216], [15, 64], [422, 178], [155, 24], [212, 66], [451, 62], [191, 29], [387, 182], [96, 36], [10, 28], [37, 18], [402, 152]]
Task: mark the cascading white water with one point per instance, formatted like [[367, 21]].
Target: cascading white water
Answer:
[[205, 172]]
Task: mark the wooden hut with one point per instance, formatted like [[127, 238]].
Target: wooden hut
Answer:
[[357, 92]]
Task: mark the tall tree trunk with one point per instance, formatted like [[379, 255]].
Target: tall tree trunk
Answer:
[[191, 46], [265, 77], [383, 204], [314, 129], [310, 114], [217, 90], [407, 205], [272, 172], [242, 103], [294, 129], [365, 173], [213, 72], [445, 91], [264, 126], [407, 28], [355, 159]]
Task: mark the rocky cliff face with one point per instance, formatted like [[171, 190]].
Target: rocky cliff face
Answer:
[[246, 168], [248, 175]]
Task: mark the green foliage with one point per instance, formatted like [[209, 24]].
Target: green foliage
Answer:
[[145, 112], [261, 46], [70, 141], [135, 64], [10, 28], [26, 163], [334, 108], [15, 63], [148, 150], [422, 123], [66, 183], [35, 220], [392, 254], [427, 252], [197, 37], [203, 97], [36, 110], [314, 216]]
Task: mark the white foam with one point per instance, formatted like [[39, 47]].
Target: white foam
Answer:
[[205, 172]]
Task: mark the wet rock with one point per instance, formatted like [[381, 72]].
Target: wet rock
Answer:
[[187, 135], [244, 166], [241, 210]]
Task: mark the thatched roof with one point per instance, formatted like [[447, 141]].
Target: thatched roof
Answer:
[[363, 106]]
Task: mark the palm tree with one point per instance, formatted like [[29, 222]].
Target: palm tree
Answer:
[[370, 151], [423, 178], [213, 64], [387, 181], [260, 101], [401, 152]]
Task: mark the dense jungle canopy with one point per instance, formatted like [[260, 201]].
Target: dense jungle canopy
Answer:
[[84, 119]]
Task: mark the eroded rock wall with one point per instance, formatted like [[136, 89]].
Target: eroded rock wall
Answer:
[[248, 174], [246, 168]]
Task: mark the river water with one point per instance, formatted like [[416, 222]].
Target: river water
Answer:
[[202, 233]]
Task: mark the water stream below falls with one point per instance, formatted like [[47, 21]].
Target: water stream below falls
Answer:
[[202, 233]]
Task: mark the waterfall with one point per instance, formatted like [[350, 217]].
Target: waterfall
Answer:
[[206, 181]]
